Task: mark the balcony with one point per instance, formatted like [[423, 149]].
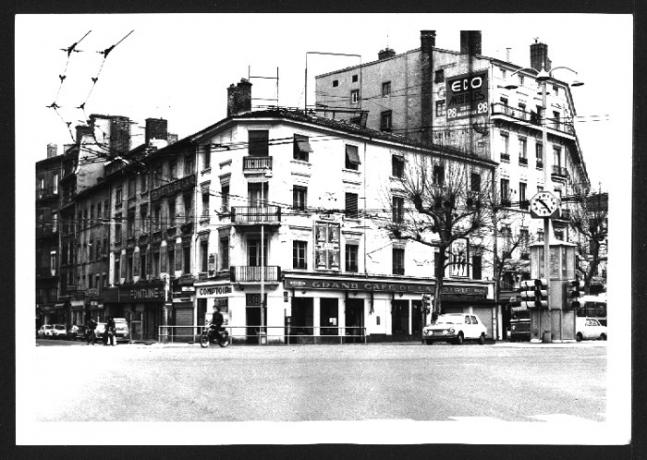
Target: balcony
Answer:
[[256, 215], [560, 173], [532, 118], [252, 274], [256, 165], [523, 161], [505, 157], [47, 193], [540, 164], [180, 185]]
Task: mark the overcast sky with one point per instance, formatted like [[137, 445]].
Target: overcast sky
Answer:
[[179, 66]]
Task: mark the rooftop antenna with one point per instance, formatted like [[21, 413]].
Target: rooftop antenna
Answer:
[[265, 77], [507, 54]]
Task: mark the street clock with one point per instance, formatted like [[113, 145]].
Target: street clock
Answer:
[[543, 204]]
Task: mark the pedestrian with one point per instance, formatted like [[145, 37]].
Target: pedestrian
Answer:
[[90, 335], [110, 331]]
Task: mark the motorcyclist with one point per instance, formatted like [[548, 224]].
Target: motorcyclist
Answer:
[[216, 321]]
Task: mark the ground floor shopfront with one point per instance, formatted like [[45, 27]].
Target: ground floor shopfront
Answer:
[[312, 307]]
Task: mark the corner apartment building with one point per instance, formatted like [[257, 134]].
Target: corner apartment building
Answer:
[[48, 174], [464, 100]]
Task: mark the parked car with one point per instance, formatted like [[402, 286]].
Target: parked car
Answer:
[[99, 330], [122, 332], [77, 332], [59, 331], [45, 331], [455, 327], [589, 329]]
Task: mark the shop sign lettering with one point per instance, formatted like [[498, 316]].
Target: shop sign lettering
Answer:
[[214, 291]]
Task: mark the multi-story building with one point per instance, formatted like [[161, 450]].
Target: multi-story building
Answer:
[[48, 174], [485, 107]]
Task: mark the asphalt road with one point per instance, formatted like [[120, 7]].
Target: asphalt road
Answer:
[[319, 382]]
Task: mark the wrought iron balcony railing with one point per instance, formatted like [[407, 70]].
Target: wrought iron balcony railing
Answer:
[[256, 164], [252, 274], [560, 171], [179, 185], [254, 215]]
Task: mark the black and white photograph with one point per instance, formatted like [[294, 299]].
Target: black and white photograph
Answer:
[[268, 228]]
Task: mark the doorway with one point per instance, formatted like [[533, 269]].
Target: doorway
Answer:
[[302, 317], [416, 318], [329, 316], [355, 319], [253, 322], [400, 317]]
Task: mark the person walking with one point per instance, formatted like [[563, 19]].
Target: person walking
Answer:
[[110, 331], [90, 335]]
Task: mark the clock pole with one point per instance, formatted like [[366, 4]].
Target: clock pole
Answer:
[[546, 270]]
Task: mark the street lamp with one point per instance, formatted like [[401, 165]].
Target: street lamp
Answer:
[[542, 77]]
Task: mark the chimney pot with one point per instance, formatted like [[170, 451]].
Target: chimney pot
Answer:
[[239, 98], [52, 150], [539, 56], [427, 40], [385, 53], [156, 128]]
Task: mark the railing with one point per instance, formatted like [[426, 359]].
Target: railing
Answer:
[[523, 160], [248, 273], [254, 334], [257, 163], [499, 108], [505, 157], [256, 215], [185, 183], [560, 171]]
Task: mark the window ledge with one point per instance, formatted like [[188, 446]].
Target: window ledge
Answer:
[[206, 170], [300, 162], [351, 171]]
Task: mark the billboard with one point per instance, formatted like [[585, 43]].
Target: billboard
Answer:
[[467, 95]]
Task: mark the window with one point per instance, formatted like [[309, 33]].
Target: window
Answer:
[[156, 262], [351, 205], [224, 198], [132, 188], [335, 83], [556, 90], [258, 143], [556, 119], [386, 88], [186, 255], [522, 106], [117, 269], [171, 213], [439, 75], [539, 153], [130, 224], [476, 267], [398, 261], [351, 258], [205, 203], [523, 203], [91, 213], [559, 234], [475, 182], [398, 209], [188, 207], [352, 157], [188, 165], [524, 239], [118, 196], [157, 177], [504, 100], [206, 157], [505, 140], [171, 258], [106, 209], [224, 252], [523, 152], [55, 184], [157, 217], [354, 96], [397, 166], [172, 170], [299, 255], [143, 182], [557, 156], [385, 120], [99, 210], [302, 148], [204, 256], [440, 108], [117, 228], [142, 264], [299, 198], [439, 175], [505, 192], [355, 78]]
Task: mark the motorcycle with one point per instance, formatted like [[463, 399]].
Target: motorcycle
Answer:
[[209, 336]]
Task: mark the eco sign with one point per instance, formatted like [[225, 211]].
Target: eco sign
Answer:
[[467, 96]]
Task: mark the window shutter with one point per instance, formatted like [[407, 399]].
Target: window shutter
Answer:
[[351, 205]]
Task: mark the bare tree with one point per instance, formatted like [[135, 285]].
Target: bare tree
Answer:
[[437, 202], [588, 217]]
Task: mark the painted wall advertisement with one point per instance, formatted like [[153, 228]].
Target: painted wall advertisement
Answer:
[[327, 247], [467, 95], [459, 255]]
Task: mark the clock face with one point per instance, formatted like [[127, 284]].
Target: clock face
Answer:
[[543, 204]]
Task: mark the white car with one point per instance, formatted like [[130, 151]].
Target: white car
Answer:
[[59, 331], [455, 327], [589, 329], [45, 330]]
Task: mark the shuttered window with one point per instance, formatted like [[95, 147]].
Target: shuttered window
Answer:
[[351, 205], [258, 143]]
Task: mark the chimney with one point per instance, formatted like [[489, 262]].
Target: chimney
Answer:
[[427, 40], [119, 135], [239, 98], [52, 150], [539, 56], [470, 42], [385, 53], [82, 130], [156, 128]]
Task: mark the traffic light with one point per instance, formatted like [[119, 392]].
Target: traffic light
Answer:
[[571, 297], [534, 293], [426, 303]]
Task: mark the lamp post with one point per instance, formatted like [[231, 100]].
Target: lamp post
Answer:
[[542, 77]]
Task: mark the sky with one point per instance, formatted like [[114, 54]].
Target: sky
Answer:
[[178, 66]]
